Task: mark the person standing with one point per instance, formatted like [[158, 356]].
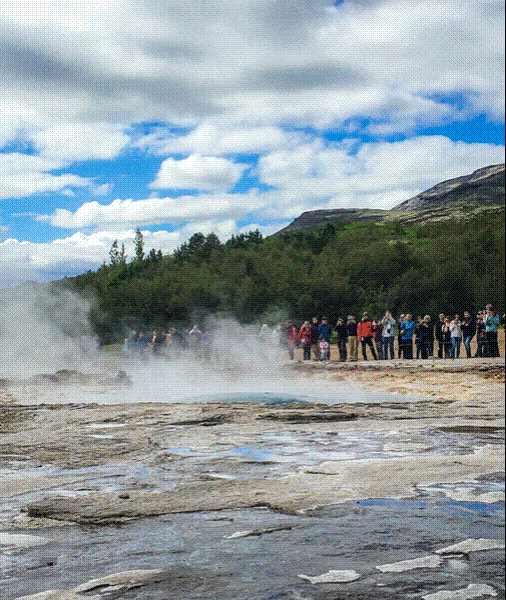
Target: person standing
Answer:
[[447, 338], [429, 339], [491, 321], [351, 329], [438, 335], [388, 335], [468, 332], [400, 350], [291, 339], [342, 337], [305, 340], [407, 330], [365, 335], [481, 349], [377, 328], [324, 332], [425, 337], [418, 337], [456, 335], [314, 338]]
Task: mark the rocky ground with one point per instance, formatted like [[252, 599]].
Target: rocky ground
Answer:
[[228, 500]]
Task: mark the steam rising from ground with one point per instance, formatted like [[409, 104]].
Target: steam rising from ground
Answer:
[[43, 328], [46, 328]]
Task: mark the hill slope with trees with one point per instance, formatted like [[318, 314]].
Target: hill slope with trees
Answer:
[[425, 268]]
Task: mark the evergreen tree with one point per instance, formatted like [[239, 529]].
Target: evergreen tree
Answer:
[[114, 253], [122, 255], [139, 246]]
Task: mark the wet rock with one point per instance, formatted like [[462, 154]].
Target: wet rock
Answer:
[[470, 495], [308, 417], [405, 447], [333, 577], [58, 595], [427, 562], [472, 545], [126, 580], [257, 532], [11, 543], [469, 593]]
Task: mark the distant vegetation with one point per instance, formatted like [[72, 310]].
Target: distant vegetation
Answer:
[[438, 266]]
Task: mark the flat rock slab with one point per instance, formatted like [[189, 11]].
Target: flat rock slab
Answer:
[[125, 579], [333, 577], [10, 542], [427, 562], [472, 591], [472, 545], [58, 595], [322, 485]]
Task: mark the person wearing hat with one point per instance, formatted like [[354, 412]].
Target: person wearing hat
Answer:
[[365, 335], [491, 322]]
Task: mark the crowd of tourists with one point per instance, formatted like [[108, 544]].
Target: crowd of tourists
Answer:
[[418, 338], [373, 336]]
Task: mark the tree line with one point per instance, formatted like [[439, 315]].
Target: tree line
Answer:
[[446, 266]]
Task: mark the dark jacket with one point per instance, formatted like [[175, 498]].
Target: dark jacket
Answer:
[[342, 332], [469, 328], [438, 331], [351, 326], [378, 331], [425, 334], [314, 333]]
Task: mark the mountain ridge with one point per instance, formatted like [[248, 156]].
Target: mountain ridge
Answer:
[[460, 198]]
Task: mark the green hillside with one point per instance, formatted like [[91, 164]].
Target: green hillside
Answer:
[[426, 268]]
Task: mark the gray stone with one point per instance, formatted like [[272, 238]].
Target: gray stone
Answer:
[[472, 545], [333, 577], [427, 562], [117, 580], [472, 591]]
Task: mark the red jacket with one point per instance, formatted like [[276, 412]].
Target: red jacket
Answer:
[[364, 329], [305, 335]]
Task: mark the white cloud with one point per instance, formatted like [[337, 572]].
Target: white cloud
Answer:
[[308, 177], [378, 175], [215, 137], [206, 173], [24, 174], [156, 211], [181, 61], [81, 141]]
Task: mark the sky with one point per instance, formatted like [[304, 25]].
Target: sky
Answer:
[[230, 115]]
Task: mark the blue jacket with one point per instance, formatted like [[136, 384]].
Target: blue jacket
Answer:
[[491, 323], [325, 331], [409, 328]]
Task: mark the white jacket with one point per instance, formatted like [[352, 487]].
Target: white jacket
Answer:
[[388, 327], [456, 329]]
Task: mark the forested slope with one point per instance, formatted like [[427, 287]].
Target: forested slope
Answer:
[[345, 267]]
